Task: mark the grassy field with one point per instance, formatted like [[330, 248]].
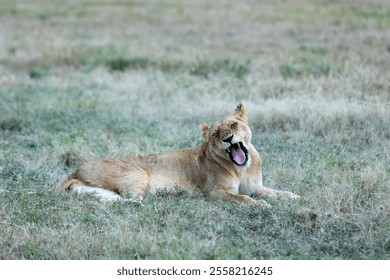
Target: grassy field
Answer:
[[87, 79]]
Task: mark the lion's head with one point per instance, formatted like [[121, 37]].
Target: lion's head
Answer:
[[230, 138]]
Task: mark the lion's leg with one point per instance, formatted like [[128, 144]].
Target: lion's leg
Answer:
[[131, 185], [68, 183], [103, 194], [228, 196], [263, 191], [76, 185]]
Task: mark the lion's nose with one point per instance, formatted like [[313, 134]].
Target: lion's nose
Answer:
[[228, 139]]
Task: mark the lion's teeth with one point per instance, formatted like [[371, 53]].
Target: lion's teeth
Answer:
[[228, 150], [238, 143]]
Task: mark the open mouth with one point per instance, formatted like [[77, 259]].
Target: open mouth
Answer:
[[238, 153]]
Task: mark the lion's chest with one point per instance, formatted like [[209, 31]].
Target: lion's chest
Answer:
[[249, 185]]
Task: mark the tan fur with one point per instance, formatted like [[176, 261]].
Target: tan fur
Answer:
[[206, 168]]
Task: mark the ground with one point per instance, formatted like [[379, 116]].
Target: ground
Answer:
[[87, 79]]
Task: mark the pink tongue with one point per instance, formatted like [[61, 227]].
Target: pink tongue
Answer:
[[238, 156]]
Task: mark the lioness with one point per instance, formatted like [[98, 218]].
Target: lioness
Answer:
[[226, 166]]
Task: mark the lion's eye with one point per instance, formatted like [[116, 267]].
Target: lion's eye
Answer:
[[216, 134], [234, 125]]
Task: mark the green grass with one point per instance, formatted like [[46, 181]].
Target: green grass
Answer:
[[120, 79], [304, 67]]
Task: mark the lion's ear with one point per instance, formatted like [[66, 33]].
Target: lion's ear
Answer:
[[204, 129], [241, 112]]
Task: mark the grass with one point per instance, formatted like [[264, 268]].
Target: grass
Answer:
[[120, 79], [304, 67]]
